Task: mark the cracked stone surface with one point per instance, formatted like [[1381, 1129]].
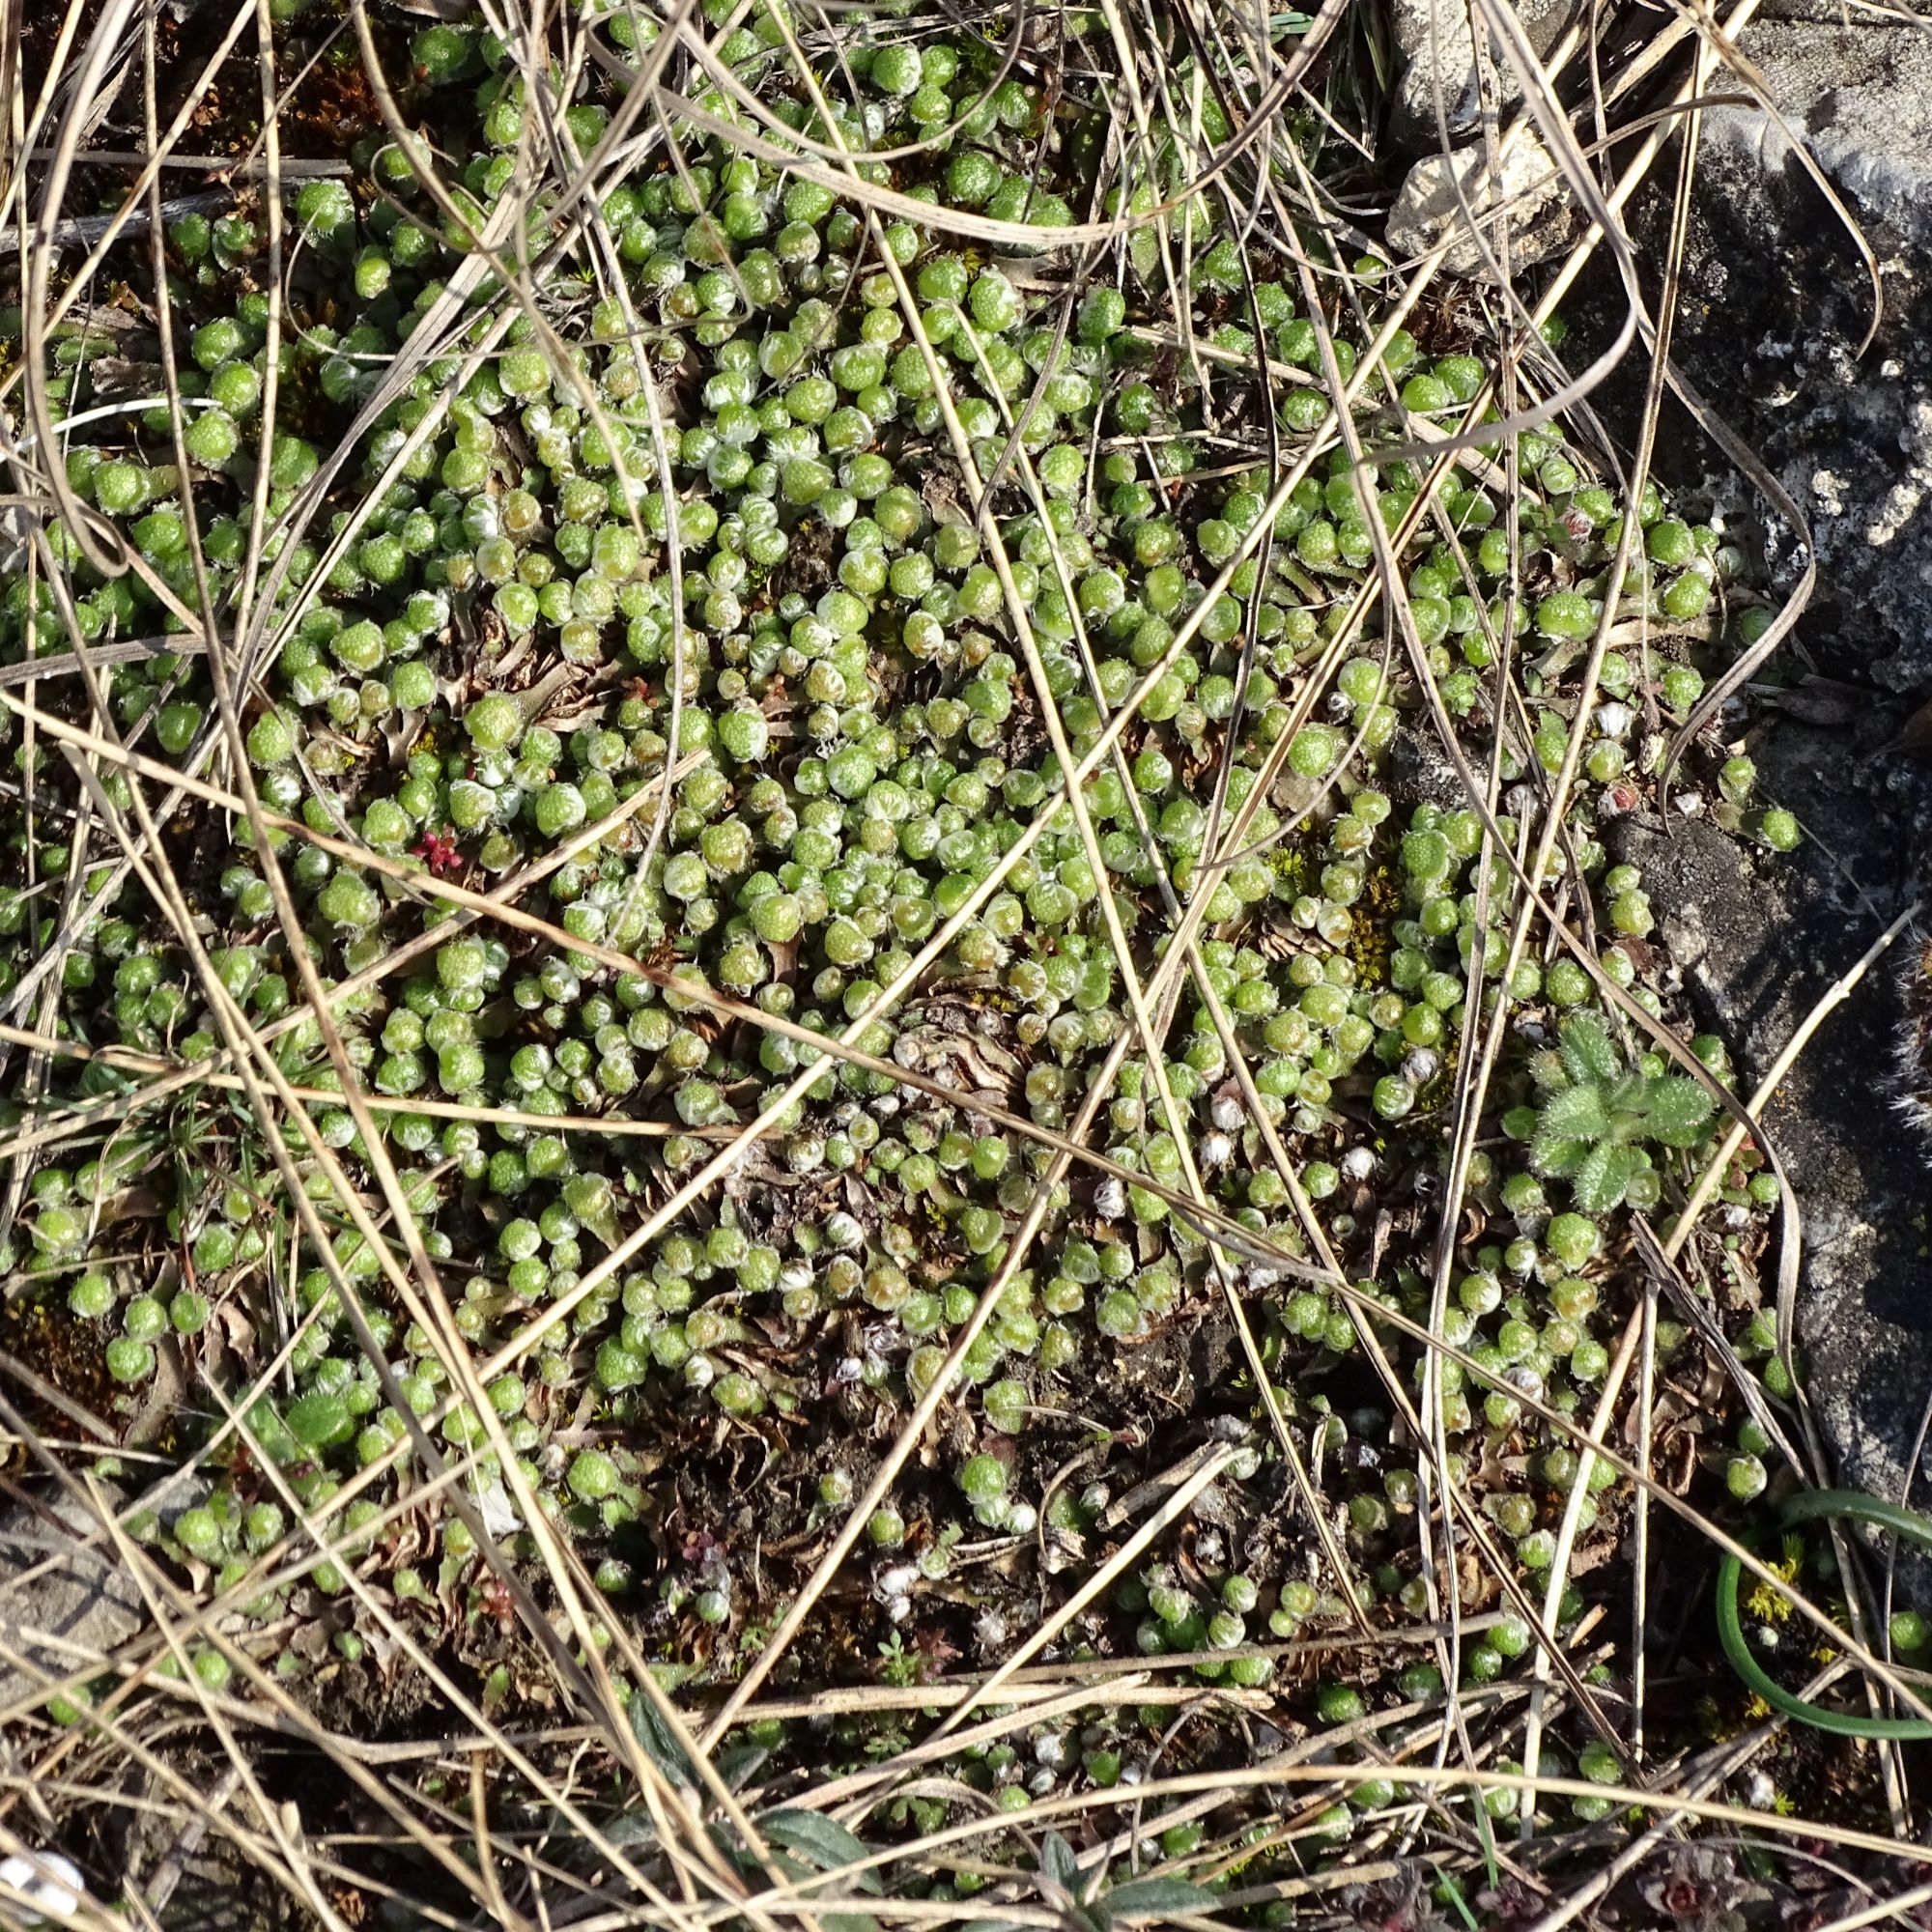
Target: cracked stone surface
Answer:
[[1777, 301], [1437, 53], [60, 1603], [1780, 301], [1758, 938]]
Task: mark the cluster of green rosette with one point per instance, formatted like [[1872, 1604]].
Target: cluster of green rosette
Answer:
[[820, 733]]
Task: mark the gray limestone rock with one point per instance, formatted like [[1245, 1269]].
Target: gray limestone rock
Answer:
[[1859, 97], [1758, 938], [1780, 299], [1438, 51], [1776, 303], [1442, 192], [60, 1603]]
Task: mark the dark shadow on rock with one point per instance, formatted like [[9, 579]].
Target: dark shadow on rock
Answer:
[[1774, 303], [1759, 939]]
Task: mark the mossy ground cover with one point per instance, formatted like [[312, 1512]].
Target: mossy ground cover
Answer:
[[808, 897]]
